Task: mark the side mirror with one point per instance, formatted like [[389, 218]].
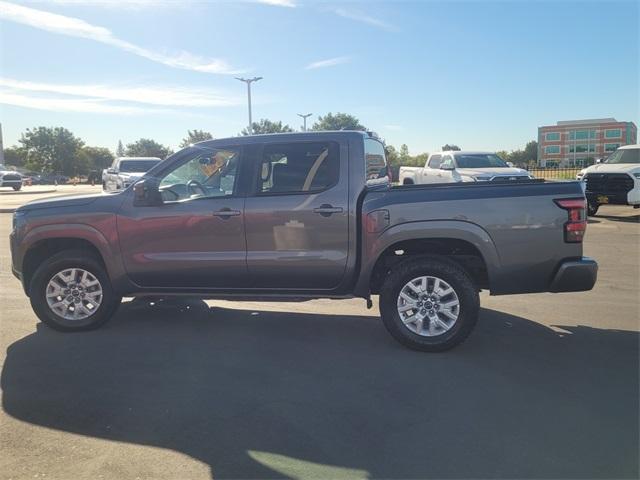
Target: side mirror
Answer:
[[112, 171], [447, 166], [146, 193], [600, 160]]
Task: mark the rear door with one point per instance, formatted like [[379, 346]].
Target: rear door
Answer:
[[432, 173], [297, 223]]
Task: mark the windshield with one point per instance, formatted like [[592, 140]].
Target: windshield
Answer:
[[625, 156], [479, 160], [137, 165]]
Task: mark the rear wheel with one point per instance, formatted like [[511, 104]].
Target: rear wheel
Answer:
[[430, 304], [592, 208], [71, 292], [17, 187]]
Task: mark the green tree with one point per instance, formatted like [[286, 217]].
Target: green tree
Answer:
[[503, 154], [266, 126], [405, 158], [97, 158], [451, 147], [531, 152], [339, 121], [52, 150], [120, 149], [195, 136], [145, 147], [15, 156]]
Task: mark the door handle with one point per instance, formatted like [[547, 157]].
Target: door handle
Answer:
[[226, 213], [327, 210]]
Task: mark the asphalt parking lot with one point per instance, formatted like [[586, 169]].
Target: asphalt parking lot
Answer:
[[546, 386]]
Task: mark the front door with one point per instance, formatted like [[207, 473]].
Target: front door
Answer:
[[297, 218], [196, 237]]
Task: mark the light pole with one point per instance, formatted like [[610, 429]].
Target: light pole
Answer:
[[304, 118], [249, 81]]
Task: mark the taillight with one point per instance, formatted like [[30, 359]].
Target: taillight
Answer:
[[576, 225]]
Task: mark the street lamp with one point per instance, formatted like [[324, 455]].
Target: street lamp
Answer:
[[249, 81], [304, 118]]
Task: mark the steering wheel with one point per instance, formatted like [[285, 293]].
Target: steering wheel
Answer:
[[194, 185]]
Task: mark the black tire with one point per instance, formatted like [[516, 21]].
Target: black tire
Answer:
[[592, 208], [407, 181], [17, 187], [451, 273], [57, 263]]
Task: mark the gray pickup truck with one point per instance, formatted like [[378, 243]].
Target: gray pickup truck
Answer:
[[302, 216]]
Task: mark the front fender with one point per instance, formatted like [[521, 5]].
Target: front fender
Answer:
[[431, 229], [108, 249]]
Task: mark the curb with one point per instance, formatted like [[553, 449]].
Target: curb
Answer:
[[7, 210], [26, 192]]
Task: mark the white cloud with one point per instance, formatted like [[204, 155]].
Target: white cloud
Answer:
[[152, 95], [278, 3], [76, 27], [71, 105], [327, 63], [119, 4], [364, 18]]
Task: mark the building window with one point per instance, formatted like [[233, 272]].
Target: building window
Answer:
[[611, 147], [582, 134], [552, 137], [551, 149], [613, 133], [581, 148]]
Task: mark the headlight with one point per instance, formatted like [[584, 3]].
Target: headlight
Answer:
[[481, 179], [636, 174]]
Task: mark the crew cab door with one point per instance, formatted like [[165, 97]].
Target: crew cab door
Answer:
[[195, 238], [297, 216], [446, 174], [431, 172]]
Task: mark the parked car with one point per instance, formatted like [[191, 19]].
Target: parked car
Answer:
[[301, 216], [10, 178], [125, 171], [615, 180], [53, 179], [462, 166]]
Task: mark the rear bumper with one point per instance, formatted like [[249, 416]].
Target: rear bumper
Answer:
[[575, 276]]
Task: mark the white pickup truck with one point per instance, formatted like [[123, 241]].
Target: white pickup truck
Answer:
[[614, 181], [462, 166], [125, 171]]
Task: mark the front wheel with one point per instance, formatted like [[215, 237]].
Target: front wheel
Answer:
[[430, 304], [71, 292], [17, 187], [592, 208]]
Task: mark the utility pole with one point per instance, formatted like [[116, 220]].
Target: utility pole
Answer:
[[249, 81], [304, 118]]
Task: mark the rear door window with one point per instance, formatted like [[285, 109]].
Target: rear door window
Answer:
[[298, 168]]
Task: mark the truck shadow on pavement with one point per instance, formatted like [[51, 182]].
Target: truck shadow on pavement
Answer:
[[272, 395]]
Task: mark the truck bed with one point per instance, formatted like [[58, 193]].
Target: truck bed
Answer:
[[516, 226]]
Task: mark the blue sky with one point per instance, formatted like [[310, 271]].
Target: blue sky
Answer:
[[480, 74]]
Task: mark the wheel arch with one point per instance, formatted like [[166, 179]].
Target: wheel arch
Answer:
[[463, 242], [44, 242]]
